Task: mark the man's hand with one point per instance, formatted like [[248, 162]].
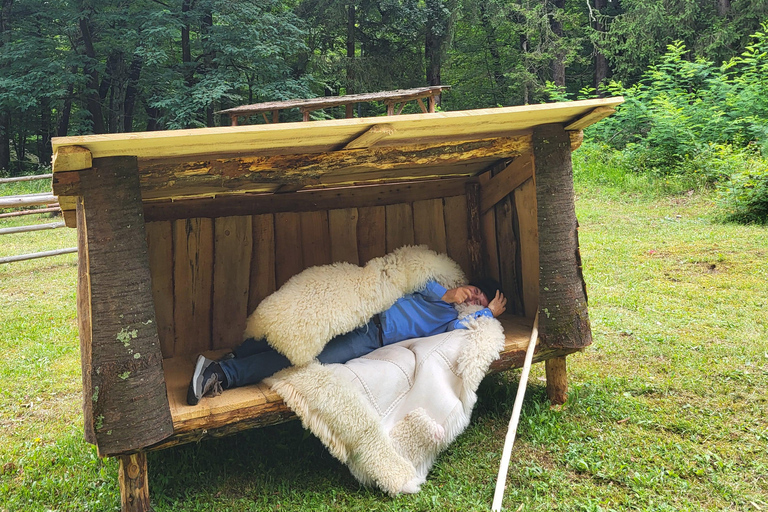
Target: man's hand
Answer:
[[457, 295], [498, 305]]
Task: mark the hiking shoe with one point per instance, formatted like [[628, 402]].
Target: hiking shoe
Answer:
[[206, 378]]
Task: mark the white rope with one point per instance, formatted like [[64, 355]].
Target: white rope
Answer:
[[501, 480]]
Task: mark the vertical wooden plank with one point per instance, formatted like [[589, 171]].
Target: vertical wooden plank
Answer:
[[525, 201], [263, 260], [288, 254], [315, 238], [371, 233], [160, 247], [342, 224], [474, 239], [399, 225], [507, 242], [456, 231], [233, 242], [84, 320], [488, 227], [129, 400], [192, 284], [429, 224]]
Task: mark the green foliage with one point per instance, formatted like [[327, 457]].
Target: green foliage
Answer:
[[703, 123], [744, 197]]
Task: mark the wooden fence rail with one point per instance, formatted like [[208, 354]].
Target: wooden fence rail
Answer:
[[26, 200], [33, 227], [26, 178], [45, 254]]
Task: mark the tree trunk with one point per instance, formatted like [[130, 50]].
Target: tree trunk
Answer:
[[92, 98], [5, 116], [563, 319], [44, 149], [186, 49], [558, 64], [63, 125], [499, 94], [208, 56], [438, 34], [131, 92], [723, 7], [601, 63]]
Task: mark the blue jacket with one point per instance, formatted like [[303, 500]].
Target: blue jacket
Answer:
[[422, 314]]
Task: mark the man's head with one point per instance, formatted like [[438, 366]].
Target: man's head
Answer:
[[485, 289]]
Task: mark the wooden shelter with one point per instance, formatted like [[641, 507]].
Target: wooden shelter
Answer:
[[182, 233]]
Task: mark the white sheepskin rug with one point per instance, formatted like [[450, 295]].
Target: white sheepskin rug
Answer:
[[386, 415]]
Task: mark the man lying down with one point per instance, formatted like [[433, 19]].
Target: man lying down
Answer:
[[424, 313]]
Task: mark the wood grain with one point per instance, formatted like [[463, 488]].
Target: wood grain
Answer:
[[160, 247], [456, 231], [399, 225], [233, 239], [342, 224], [289, 259], [429, 224], [262, 277], [192, 283], [371, 233]]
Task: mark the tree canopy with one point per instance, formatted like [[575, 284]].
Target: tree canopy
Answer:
[[100, 66]]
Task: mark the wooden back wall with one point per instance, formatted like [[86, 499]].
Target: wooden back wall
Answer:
[[209, 274]]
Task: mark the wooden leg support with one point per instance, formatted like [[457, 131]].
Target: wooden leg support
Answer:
[[557, 380], [134, 486]]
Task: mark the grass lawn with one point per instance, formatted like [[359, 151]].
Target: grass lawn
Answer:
[[667, 409]]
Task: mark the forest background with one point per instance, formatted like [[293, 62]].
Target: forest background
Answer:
[[694, 72]]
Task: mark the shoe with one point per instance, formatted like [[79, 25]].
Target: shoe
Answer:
[[205, 379]]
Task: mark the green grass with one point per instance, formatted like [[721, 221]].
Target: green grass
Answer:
[[667, 408]]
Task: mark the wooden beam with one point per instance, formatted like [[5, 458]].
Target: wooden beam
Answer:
[[421, 104], [249, 173], [134, 482], [126, 392], [35, 255], [306, 200], [577, 137], [371, 136], [501, 185], [71, 158], [66, 183], [564, 320], [591, 118]]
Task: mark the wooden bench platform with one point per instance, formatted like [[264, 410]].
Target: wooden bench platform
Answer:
[[257, 405]]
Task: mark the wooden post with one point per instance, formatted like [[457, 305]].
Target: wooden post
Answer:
[[275, 116], [564, 322], [233, 117], [126, 405], [134, 486], [348, 110], [432, 102], [305, 115], [557, 380]]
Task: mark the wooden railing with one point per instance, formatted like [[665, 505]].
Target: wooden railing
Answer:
[[26, 201]]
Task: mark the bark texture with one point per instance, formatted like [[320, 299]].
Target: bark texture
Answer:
[[563, 321], [122, 366]]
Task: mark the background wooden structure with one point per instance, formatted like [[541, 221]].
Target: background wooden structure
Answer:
[[183, 233]]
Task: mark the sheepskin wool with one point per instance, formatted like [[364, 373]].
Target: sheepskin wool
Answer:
[[325, 301], [388, 414]]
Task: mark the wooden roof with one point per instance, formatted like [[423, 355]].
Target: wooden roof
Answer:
[[211, 162]]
